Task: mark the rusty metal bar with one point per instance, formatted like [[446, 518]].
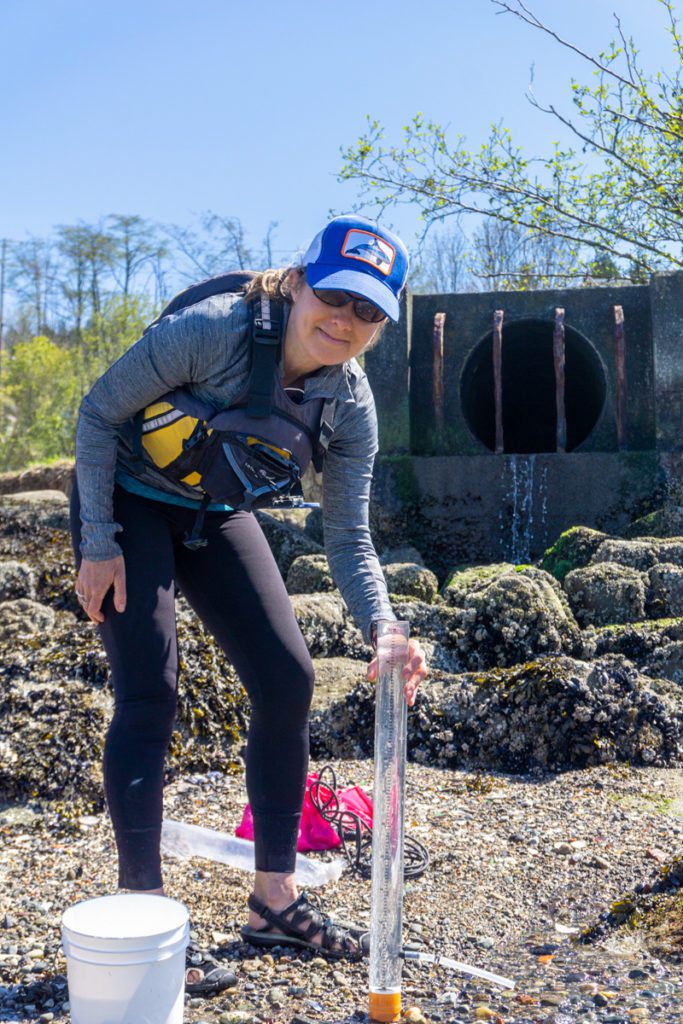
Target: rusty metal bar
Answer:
[[437, 374], [559, 363], [498, 316], [620, 361]]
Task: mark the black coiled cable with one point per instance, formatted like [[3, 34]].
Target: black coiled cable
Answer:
[[355, 835]]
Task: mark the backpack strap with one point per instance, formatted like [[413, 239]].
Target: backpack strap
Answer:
[[233, 281], [194, 540], [265, 351], [327, 418]]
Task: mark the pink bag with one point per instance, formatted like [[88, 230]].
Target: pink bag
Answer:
[[314, 832]]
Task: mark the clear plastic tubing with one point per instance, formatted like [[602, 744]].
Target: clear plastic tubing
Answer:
[[386, 920], [185, 841], [457, 965]]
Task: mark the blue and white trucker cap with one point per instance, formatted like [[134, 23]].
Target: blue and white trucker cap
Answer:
[[355, 255]]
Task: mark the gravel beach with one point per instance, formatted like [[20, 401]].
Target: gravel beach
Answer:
[[520, 865]]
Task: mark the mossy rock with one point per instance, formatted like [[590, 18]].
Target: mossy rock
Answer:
[[666, 663], [670, 550], [573, 549], [412, 581], [309, 574], [55, 706], [551, 713], [605, 593], [665, 591], [636, 554], [664, 522], [470, 579], [637, 641], [515, 616]]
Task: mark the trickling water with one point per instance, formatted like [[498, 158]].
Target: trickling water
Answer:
[[520, 529], [543, 493]]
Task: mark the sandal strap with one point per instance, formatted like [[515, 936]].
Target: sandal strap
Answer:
[[304, 914]]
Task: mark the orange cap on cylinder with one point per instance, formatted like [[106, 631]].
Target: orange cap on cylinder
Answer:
[[385, 1006]]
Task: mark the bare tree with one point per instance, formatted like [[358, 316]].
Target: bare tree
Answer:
[[442, 265], [627, 203], [268, 244], [218, 245], [135, 244], [32, 275]]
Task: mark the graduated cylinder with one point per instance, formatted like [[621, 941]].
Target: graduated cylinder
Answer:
[[387, 831]]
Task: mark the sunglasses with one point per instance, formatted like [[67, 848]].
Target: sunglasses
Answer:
[[363, 308]]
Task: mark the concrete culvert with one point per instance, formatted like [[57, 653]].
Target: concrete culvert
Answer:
[[528, 385]]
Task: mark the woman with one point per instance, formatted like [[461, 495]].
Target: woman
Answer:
[[130, 523]]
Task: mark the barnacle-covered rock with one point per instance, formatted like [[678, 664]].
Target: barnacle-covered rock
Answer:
[[286, 542], [670, 551], [24, 616], [326, 626], [314, 525], [515, 616], [17, 579], [334, 679], [664, 522], [213, 708], [309, 574], [295, 517], [637, 554], [412, 580], [400, 555], [605, 593], [665, 662], [435, 622], [553, 713], [469, 580], [51, 736], [572, 550], [58, 476], [664, 596], [55, 705], [29, 511], [637, 641]]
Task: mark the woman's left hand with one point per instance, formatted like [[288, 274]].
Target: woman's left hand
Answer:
[[414, 672]]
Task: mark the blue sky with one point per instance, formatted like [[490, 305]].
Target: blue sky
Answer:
[[166, 109]]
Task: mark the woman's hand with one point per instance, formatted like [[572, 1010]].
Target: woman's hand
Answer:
[[414, 672], [94, 581]]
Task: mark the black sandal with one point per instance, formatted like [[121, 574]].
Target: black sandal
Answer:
[[212, 981], [305, 924]]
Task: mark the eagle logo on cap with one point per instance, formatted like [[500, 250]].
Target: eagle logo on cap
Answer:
[[370, 248]]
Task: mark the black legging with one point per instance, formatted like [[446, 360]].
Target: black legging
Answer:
[[235, 588]]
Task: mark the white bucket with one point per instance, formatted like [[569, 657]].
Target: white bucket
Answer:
[[125, 959]]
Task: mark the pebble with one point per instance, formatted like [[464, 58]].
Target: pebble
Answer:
[[414, 1015], [500, 916]]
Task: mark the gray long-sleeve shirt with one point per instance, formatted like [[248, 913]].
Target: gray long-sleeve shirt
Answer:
[[206, 348]]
